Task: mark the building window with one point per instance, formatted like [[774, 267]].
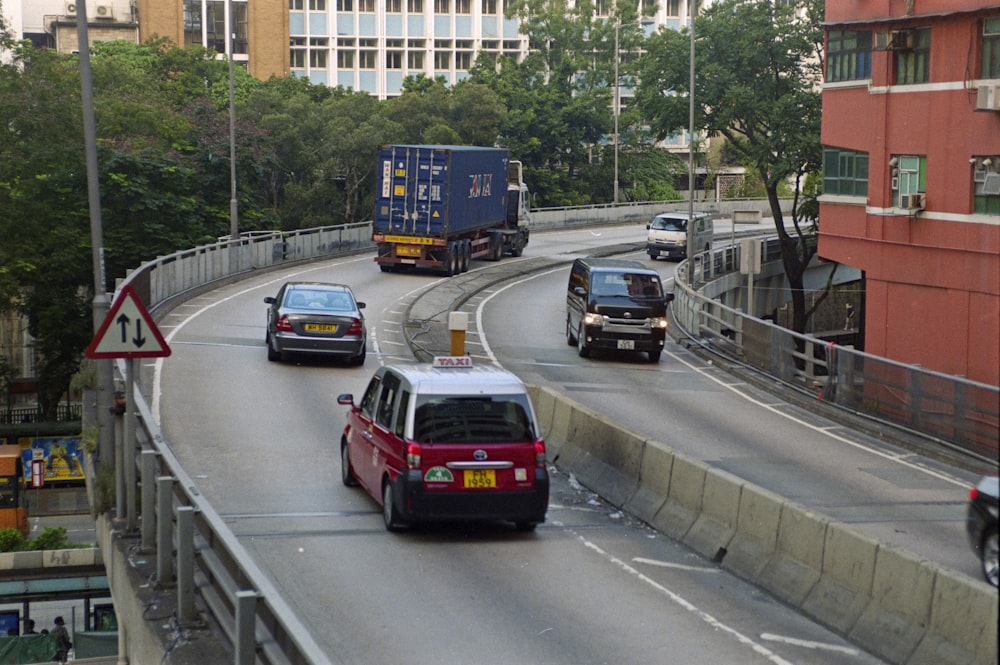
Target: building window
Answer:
[[672, 8], [345, 59], [991, 49], [442, 6], [602, 8], [394, 6], [986, 184], [909, 176], [849, 55], [415, 60], [463, 60], [415, 6], [317, 58], [913, 64], [442, 60], [317, 5], [367, 59], [345, 5], [298, 58], [845, 172], [463, 6], [367, 6], [489, 7], [394, 60], [296, 5]]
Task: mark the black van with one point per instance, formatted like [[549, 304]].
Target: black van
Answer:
[[614, 304]]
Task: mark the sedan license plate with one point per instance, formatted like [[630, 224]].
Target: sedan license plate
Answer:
[[480, 478], [321, 327], [626, 345]]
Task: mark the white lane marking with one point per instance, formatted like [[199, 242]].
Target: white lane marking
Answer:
[[679, 600], [733, 387], [674, 566], [820, 646]]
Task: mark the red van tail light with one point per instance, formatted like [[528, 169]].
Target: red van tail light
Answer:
[[355, 328], [413, 455], [282, 324], [540, 454]]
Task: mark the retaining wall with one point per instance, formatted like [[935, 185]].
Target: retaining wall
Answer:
[[885, 600]]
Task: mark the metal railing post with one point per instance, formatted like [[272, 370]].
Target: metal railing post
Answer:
[[164, 522], [185, 565], [245, 642], [148, 480]]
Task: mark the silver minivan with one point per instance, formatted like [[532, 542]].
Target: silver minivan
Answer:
[[668, 234]]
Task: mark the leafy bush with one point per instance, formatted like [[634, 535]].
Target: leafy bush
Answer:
[[53, 538]]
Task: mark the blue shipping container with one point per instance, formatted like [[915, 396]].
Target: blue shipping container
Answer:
[[440, 191]]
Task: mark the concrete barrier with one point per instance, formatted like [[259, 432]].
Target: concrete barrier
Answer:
[[795, 568], [683, 505], [720, 509], [900, 605], [602, 455], [887, 601], [963, 623], [845, 585], [756, 537], [654, 482]]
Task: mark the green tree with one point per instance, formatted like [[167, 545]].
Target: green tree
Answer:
[[758, 68]]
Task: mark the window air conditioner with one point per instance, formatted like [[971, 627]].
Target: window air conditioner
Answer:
[[70, 9], [104, 11], [988, 97], [915, 201]]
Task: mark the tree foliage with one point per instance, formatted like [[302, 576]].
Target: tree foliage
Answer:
[[758, 67]]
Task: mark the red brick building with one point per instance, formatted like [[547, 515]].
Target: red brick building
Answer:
[[911, 177]]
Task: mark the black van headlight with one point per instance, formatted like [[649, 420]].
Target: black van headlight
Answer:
[[596, 320], [658, 323]]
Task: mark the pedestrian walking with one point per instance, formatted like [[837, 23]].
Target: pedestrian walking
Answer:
[[63, 644]]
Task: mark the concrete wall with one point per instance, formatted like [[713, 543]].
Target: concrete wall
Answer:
[[885, 600]]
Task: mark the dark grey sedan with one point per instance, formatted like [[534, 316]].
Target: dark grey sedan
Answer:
[[316, 318]]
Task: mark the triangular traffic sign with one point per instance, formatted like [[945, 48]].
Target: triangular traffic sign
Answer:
[[128, 331]]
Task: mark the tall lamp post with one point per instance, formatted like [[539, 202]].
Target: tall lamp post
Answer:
[[617, 102], [234, 226], [691, 235]]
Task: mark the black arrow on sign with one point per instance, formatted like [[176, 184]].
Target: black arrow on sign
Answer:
[[138, 340], [123, 322]]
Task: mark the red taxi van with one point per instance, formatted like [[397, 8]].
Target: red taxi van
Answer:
[[445, 442]]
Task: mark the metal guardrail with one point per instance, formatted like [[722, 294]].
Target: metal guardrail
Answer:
[[27, 415], [957, 412]]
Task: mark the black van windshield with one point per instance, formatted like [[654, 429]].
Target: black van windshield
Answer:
[[497, 419], [670, 224], [627, 285]]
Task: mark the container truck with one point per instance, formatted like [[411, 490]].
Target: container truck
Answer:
[[438, 207]]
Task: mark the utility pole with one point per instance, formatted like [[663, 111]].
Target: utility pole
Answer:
[[690, 224], [105, 371]]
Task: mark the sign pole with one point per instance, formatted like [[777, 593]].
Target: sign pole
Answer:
[[128, 454]]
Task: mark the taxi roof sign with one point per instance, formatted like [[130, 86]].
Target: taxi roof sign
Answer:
[[128, 331], [451, 361]]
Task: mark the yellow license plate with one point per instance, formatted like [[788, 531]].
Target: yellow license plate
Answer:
[[407, 250], [321, 327], [480, 478]]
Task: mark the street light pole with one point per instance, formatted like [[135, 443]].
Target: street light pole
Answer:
[[617, 99], [101, 304], [690, 224], [234, 226]]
